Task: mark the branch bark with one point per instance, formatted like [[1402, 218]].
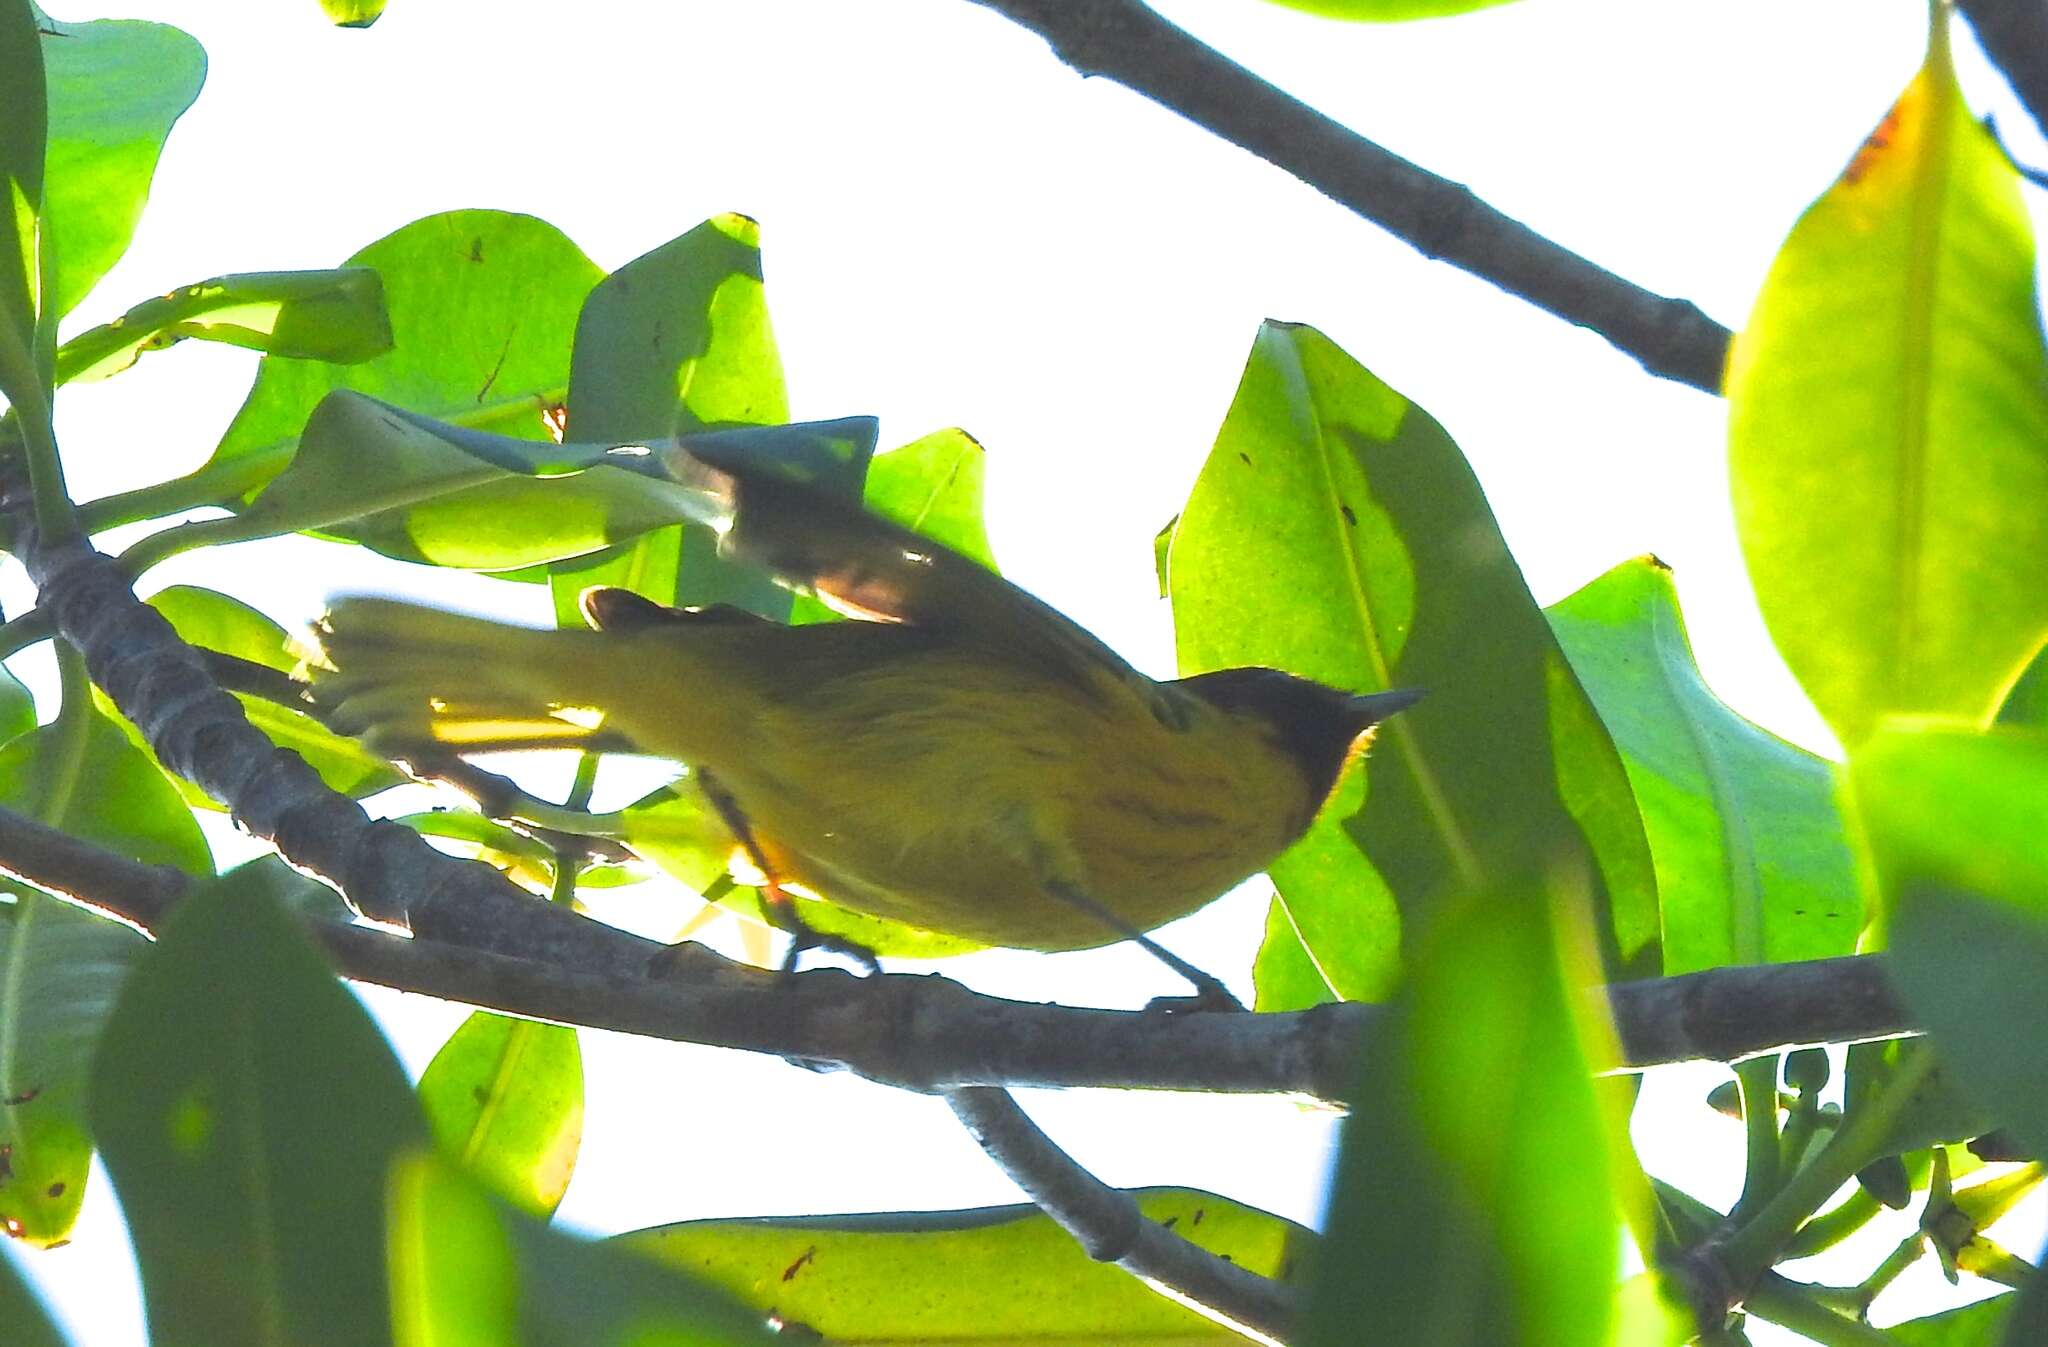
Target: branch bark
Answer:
[[1108, 1225], [1125, 41], [2014, 34], [932, 1035]]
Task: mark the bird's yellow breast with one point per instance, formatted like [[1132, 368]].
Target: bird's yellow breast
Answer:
[[949, 790]]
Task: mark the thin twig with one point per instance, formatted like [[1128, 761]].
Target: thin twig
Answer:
[[1124, 40], [1111, 1229], [931, 1034], [2014, 34]]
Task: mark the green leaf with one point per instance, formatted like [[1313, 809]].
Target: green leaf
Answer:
[[61, 966], [934, 486], [336, 316], [249, 1111], [60, 970], [678, 340], [1975, 1325], [2028, 1323], [482, 307], [117, 86], [1283, 975], [1954, 822], [999, 1274], [1937, 1112], [2026, 701], [1336, 903], [107, 791], [1337, 532], [26, 258], [352, 13], [675, 341], [1887, 406], [1472, 1202], [214, 621], [466, 1273], [28, 1323], [17, 708], [1387, 11], [505, 1098], [429, 491], [1752, 864]]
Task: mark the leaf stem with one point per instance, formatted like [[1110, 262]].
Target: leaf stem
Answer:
[[56, 516], [1789, 1305], [1908, 1253], [1833, 1226], [164, 544], [211, 484], [18, 634], [65, 758], [1757, 1244], [1761, 1178]]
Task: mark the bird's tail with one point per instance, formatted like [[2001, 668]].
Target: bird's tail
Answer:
[[401, 676]]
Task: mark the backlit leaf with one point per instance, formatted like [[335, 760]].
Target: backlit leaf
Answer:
[[336, 316], [1888, 401], [249, 1111], [465, 1272], [1752, 864], [999, 1274], [1955, 821], [1337, 532], [504, 1097]]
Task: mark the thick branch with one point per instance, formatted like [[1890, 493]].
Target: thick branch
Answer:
[[2014, 34], [931, 1034], [1124, 40], [1107, 1223]]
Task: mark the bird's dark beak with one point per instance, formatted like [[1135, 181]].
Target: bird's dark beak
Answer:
[[1371, 710]]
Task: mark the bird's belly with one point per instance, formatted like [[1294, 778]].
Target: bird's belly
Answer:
[[972, 855]]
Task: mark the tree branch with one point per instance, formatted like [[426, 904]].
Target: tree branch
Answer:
[[1105, 1220], [1107, 1223], [1124, 40], [932, 1035], [2014, 34]]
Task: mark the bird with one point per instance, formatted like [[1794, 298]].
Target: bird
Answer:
[[961, 757]]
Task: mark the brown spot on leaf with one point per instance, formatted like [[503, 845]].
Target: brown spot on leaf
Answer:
[[55, 1190], [25, 1097], [476, 249], [1244, 458], [1873, 145], [1350, 516], [789, 1273]]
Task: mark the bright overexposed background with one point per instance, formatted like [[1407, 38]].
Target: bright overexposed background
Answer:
[[959, 230]]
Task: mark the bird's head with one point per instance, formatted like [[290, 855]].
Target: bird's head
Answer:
[[1316, 725]]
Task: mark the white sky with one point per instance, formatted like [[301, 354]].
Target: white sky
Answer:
[[958, 230]]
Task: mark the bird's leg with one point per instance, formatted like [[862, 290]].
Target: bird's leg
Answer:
[[777, 904], [1210, 993]]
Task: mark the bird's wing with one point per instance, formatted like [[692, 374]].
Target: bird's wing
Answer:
[[873, 569]]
